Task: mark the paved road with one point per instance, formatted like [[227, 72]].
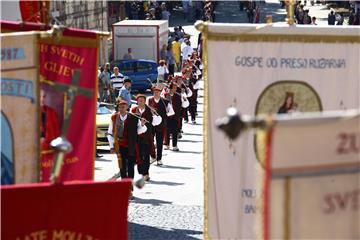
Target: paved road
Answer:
[[170, 206]]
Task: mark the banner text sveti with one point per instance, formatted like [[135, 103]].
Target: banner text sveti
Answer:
[[314, 186], [65, 211], [76, 50]]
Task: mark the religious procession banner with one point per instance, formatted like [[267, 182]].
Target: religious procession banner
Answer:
[[83, 211], [60, 54], [19, 108], [312, 190], [265, 69]]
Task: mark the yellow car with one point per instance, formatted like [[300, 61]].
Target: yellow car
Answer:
[[103, 118]]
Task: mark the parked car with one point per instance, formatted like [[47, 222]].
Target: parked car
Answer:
[[103, 118], [141, 72]]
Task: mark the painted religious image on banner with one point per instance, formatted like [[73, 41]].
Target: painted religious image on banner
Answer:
[[7, 151], [52, 108], [284, 97]]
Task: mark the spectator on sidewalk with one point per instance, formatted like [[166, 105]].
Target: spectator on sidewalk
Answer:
[[307, 18], [163, 52], [340, 20], [165, 13], [331, 18], [313, 21], [163, 71], [175, 48], [170, 60], [187, 51], [117, 81]]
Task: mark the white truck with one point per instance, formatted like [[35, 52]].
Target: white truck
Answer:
[[144, 37]]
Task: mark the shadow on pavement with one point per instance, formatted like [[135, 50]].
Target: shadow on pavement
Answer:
[[190, 141], [165, 183], [144, 232], [193, 152], [177, 167], [193, 134], [102, 160], [155, 202]]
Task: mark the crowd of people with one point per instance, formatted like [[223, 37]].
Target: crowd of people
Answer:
[[142, 127], [162, 10], [302, 15]]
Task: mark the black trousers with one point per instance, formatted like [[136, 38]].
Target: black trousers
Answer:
[[143, 167], [172, 129], [192, 110], [159, 136], [128, 163], [171, 68]]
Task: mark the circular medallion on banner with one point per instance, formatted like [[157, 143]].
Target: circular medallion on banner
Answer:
[[284, 97]]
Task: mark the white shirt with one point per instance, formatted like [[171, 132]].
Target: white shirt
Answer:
[[186, 52], [140, 130], [117, 81]]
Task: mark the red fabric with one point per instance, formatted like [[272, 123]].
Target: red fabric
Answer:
[[56, 64], [52, 128], [266, 187], [52, 131], [74, 32], [30, 11], [79, 209], [22, 26]]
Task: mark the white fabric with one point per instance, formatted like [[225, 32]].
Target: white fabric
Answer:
[[189, 92], [141, 128], [162, 70], [141, 110], [232, 181], [186, 52], [156, 120], [324, 210], [170, 110]]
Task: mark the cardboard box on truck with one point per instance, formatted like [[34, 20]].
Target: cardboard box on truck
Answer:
[[144, 37]]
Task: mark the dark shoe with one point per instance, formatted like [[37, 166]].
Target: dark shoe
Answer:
[[147, 177], [159, 163]]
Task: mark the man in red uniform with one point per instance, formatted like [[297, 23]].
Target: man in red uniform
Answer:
[[173, 121], [122, 137], [144, 140], [49, 129], [159, 104]]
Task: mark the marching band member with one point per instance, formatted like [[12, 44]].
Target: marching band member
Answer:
[[159, 104], [173, 120], [144, 139], [122, 136]]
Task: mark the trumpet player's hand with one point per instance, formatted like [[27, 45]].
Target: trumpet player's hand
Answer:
[[142, 122]]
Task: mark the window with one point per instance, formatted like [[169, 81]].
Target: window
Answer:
[[144, 67], [126, 67]]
